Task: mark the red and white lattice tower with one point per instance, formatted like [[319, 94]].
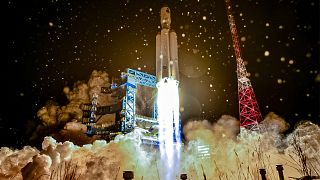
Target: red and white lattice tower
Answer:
[[249, 111]]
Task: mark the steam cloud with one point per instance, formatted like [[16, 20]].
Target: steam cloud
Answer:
[[64, 122], [233, 155]]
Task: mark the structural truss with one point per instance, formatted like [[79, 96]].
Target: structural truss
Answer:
[[249, 111], [134, 78]]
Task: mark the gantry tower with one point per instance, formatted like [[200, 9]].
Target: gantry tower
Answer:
[[249, 111]]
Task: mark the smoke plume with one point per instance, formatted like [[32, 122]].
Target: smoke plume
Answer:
[[230, 154], [210, 151], [64, 122]]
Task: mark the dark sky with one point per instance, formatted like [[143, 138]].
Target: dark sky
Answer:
[[55, 43]]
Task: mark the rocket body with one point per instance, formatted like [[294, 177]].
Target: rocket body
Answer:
[[166, 49], [168, 115]]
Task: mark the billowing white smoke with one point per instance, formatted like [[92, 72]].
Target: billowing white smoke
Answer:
[[53, 116], [304, 142], [240, 156], [12, 161], [100, 160], [211, 150], [232, 155]]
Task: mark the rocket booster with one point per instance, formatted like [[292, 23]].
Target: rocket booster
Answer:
[[166, 48]]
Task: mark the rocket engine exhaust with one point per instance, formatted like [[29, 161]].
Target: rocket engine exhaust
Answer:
[[169, 126]]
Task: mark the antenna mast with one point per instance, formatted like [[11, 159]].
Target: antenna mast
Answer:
[[249, 111]]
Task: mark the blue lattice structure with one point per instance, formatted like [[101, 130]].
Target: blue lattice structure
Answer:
[[134, 78], [129, 108], [126, 91], [143, 79]]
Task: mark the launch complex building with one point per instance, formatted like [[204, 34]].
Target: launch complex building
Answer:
[[164, 122], [127, 119]]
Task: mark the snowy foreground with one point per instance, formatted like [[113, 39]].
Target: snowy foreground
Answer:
[[232, 155]]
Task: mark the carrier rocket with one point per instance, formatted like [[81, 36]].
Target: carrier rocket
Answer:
[[168, 114], [166, 48]]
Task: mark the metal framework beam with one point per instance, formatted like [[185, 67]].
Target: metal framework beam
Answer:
[[134, 78], [249, 111]]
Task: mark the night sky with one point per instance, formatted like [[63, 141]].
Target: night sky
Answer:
[[52, 44]]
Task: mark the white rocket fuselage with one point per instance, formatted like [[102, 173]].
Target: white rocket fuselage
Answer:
[[166, 49], [168, 115]]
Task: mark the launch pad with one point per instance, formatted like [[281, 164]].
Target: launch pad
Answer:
[[128, 118], [163, 125]]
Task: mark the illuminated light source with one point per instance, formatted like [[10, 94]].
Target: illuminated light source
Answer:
[[169, 123]]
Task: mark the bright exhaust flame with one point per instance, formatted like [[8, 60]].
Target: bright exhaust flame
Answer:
[[169, 125]]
